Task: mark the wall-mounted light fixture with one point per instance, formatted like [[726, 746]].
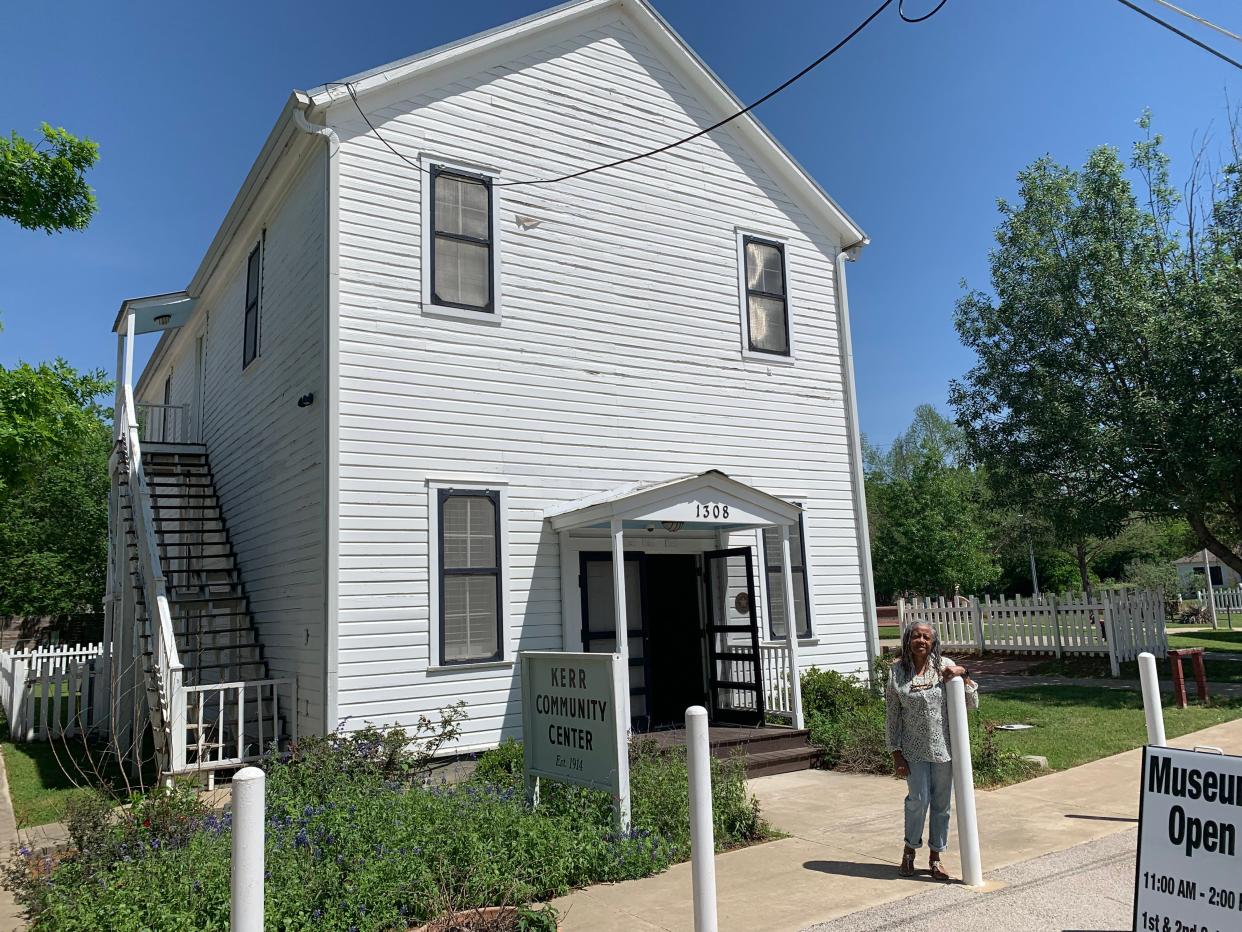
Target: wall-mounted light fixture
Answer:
[[163, 320], [672, 526], [306, 400]]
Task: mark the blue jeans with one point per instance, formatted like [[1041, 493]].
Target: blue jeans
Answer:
[[930, 785]]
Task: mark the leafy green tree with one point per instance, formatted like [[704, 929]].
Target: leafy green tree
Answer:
[[55, 440], [929, 525], [43, 185], [1109, 358]]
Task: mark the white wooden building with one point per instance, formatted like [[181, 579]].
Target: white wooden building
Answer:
[[390, 437]]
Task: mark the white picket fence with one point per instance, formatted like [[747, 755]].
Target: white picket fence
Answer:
[[47, 692], [1226, 602], [1119, 624]]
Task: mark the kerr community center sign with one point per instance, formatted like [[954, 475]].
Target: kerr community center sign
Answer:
[[1188, 874], [573, 726]]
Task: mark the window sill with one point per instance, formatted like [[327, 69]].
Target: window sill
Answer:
[[773, 358], [443, 311], [481, 665], [802, 642]]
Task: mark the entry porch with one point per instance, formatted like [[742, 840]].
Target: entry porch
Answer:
[[674, 565]]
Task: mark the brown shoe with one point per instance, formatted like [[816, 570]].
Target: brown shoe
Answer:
[[907, 865], [937, 871]]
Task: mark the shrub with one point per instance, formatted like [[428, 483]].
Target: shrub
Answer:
[[846, 720], [993, 765], [357, 839]]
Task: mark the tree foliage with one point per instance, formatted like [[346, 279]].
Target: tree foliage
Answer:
[[55, 441], [1108, 379], [43, 185], [929, 524]]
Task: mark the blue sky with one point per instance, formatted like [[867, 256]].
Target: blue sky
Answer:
[[915, 130]]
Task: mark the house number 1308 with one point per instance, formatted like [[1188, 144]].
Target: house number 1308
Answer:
[[710, 510]]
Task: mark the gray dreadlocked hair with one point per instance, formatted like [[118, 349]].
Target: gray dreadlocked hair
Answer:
[[907, 657]]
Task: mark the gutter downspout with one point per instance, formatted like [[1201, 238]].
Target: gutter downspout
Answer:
[[854, 436], [331, 392]]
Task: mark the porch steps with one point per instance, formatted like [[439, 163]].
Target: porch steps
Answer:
[[765, 751]]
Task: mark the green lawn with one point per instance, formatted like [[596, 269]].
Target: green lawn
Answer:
[[890, 631], [44, 775], [1077, 724], [1222, 639]]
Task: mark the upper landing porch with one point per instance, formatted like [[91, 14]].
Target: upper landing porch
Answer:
[[159, 423]]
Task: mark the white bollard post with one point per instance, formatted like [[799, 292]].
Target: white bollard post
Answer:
[[1151, 699], [964, 785], [249, 824], [702, 839]]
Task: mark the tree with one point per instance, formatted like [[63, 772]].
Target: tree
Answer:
[[1108, 378], [46, 189], [55, 440], [929, 528]]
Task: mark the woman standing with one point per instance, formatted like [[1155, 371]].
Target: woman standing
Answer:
[[918, 737]]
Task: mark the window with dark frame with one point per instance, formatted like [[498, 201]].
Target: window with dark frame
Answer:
[[470, 584], [767, 305], [254, 282], [776, 580], [461, 234]]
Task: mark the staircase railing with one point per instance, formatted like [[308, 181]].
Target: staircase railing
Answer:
[[166, 664]]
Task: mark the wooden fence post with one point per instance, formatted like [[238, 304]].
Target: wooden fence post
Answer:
[[977, 619], [1056, 625], [1111, 636]]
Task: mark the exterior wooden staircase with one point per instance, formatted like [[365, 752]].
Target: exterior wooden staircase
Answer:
[[233, 710]]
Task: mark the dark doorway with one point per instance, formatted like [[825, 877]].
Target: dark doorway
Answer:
[[675, 636]]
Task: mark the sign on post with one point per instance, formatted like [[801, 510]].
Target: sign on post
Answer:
[[573, 727], [1188, 874]]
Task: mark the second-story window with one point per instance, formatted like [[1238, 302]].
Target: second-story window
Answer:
[[254, 287], [461, 228], [767, 305]]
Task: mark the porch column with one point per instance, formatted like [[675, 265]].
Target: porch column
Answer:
[[791, 628], [618, 611]]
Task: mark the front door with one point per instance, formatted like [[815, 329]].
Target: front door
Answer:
[[599, 625], [735, 680]]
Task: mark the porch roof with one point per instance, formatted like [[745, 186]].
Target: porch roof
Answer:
[[704, 501]]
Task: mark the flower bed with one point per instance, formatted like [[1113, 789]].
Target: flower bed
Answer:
[[357, 840]]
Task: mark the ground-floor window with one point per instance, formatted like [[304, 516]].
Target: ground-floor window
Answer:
[[470, 584]]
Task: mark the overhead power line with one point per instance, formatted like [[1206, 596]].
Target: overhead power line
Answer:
[[1199, 19], [1189, 38], [901, 10]]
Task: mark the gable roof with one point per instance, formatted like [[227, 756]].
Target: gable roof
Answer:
[[655, 29]]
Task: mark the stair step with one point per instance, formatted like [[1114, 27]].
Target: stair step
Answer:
[[212, 639], [165, 506], [767, 763], [760, 741]]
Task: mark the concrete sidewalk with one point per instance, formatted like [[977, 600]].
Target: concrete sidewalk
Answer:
[[1088, 886], [845, 841]]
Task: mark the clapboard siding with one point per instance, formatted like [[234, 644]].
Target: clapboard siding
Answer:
[[267, 455], [617, 358]]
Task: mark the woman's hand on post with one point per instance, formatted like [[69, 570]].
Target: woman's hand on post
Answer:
[[949, 672], [900, 766]]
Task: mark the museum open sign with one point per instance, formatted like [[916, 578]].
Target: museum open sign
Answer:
[[1188, 874], [573, 726]]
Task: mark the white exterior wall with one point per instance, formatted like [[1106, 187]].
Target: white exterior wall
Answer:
[[617, 357], [266, 453]]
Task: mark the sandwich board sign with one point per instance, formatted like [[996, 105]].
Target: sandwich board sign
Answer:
[[573, 726], [1188, 874]]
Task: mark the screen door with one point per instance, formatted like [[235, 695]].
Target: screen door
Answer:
[[735, 677]]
